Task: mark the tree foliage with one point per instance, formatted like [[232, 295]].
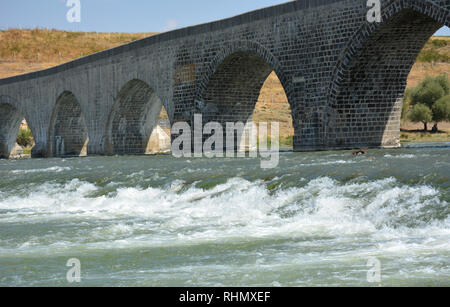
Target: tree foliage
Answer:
[[25, 137], [421, 114], [407, 101], [425, 97], [427, 93], [441, 110], [444, 83]]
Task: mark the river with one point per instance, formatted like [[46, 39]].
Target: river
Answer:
[[315, 220]]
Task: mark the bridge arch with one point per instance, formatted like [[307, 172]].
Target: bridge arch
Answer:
[[231, 84], [235, 47], [68, 133], [133, 119], [368, 83], [10, 120]]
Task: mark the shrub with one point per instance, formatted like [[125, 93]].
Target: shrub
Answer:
[[444, 83], [427, 93], [25, 137], [407, 102], [439, 43], [441, 110], [430, 56], [421, 114]]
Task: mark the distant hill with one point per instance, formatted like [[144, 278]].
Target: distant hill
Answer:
[[23, 51]]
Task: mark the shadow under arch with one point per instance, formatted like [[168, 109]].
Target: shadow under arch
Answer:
[[10, 120], [368, 84], [68, 133], [232, 82], [133, 120]]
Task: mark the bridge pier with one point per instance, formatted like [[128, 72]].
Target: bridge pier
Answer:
[[68, 135], [39, 150]]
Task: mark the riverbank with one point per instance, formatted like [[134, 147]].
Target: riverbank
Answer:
[[413, 133]]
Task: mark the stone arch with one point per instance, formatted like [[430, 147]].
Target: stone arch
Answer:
[[133, 119], [230, 86], [10, 119], [68, 133], [230, 48], [369, 80]]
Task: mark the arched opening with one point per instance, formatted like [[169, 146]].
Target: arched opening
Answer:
[[245, 88], [138, 124], [369, 85], [428, 85], [68, 130], [25, 139], [16, 139], [160, 139], [273, 106]]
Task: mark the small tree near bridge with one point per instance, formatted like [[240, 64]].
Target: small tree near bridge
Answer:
[[421, 114], [431, 101]]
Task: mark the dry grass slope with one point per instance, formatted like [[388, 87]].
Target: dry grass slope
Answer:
[[23, 51]]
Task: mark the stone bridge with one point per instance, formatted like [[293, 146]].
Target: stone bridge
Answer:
[[344, 78]]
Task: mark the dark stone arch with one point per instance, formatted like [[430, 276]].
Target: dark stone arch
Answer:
[[230, 48], [369, 81], [133, 119], [10, 119], [39, 149], [68, 133], [231, 84]]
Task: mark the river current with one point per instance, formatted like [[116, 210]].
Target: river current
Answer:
[[315, 220]]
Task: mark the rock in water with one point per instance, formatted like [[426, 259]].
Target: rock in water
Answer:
[[360, 152]]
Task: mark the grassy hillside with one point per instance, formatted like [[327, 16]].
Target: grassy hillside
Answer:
[[434, 60], [23, 51], [436, 50]]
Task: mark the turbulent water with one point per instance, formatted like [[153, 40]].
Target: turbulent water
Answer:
[[315, 220]]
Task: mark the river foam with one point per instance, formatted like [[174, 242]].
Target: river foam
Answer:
[[238, 210], [159, 221], [54, 169]]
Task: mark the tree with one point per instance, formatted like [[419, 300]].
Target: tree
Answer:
[[427, 93], [25, 137], [407, 102], [421, 114], [444, 83], [441, 110]]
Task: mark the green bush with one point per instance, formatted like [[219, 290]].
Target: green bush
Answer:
[[428, 92], [407, 101], [25, 137], [444, 83], [287, 141], [439, 43], [432, 56], [421, 114], [441, 110], [405, 109]]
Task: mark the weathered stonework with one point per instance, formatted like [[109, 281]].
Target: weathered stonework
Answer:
[[344, 78], [68, 135]]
